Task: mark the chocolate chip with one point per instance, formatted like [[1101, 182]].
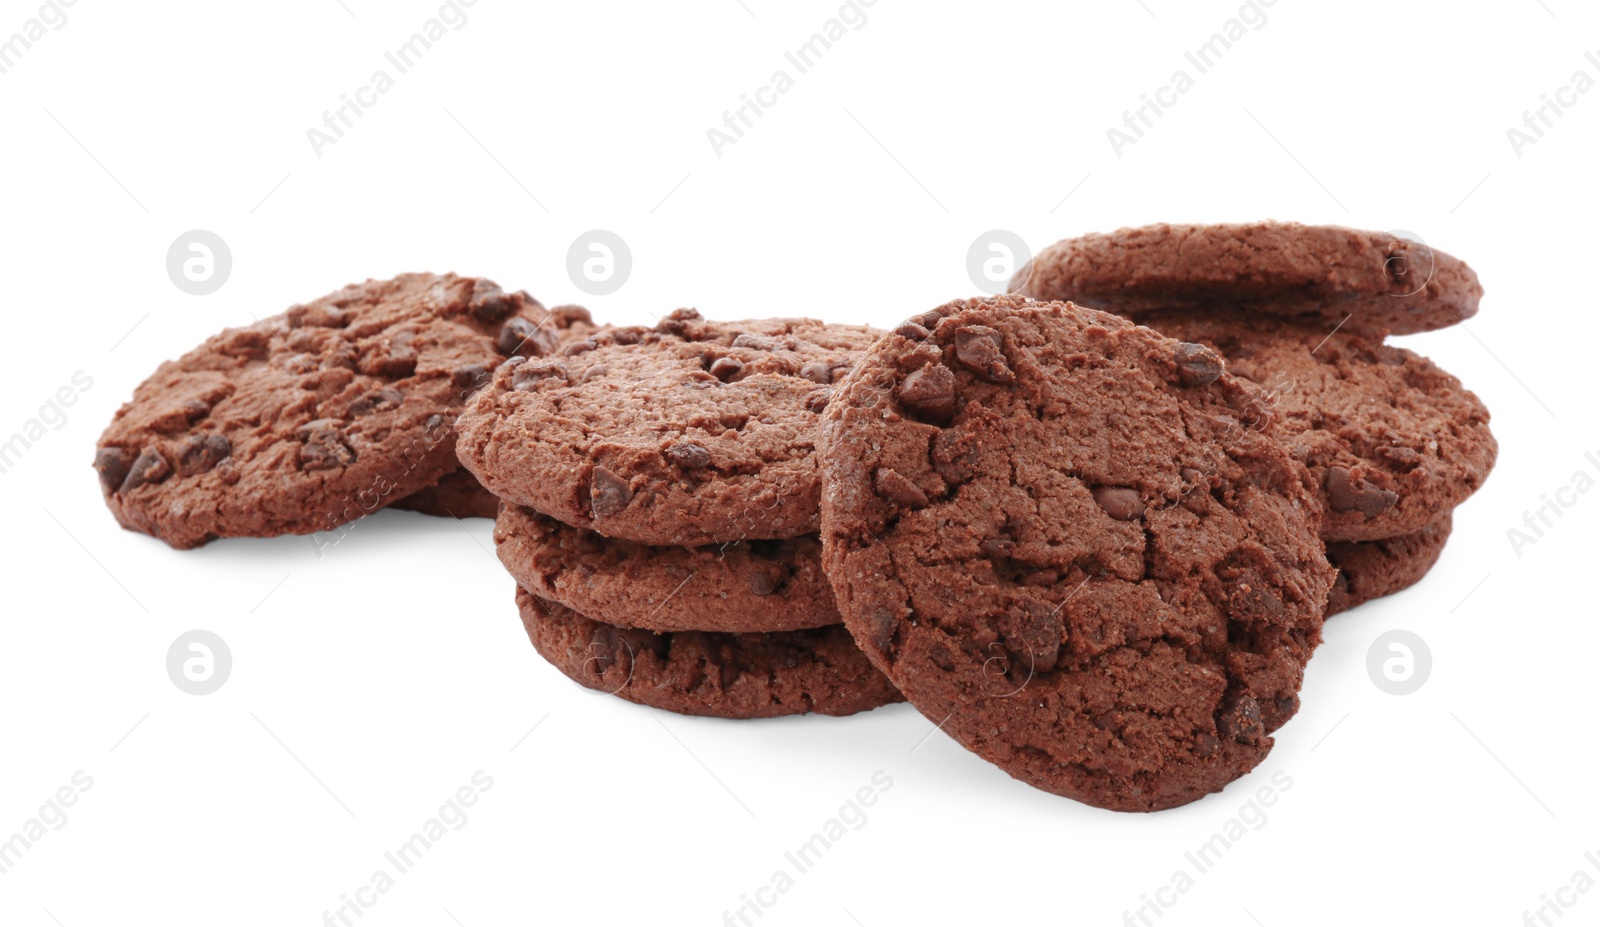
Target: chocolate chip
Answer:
[[1206, 746], [538, 374], [930, 393], [318, 317], [196, 409], [980, 349], [608, 493], [580, 347], [471, 377], [325, 447], [623, 335], [1120, 502], [488, 303], [521, 338], [762, 584], [385, 398], [400, 360], [1197, 364], [754, 341], [150, 467], [594, 372], [112, 464], [228, 472], [896, 488], [818, 400], [911, 331], [689, 456], [880, 629], [726, 368], [818, 373], [1347, 493], [1240, 719], [203, 452]]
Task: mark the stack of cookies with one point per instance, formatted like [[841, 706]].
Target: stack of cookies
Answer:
[[1393, 442], [660, 513], [1091, 531]]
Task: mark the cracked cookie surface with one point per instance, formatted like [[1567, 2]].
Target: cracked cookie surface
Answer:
[[1394, 442], [688, 433], [311, 418], [740, 586], [1322, 275], [713, 674], [1073, 544]]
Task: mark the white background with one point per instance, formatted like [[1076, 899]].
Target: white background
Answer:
[[370, 683]]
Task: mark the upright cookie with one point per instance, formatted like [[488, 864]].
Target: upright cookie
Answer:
[[311, 418], [457, 494], [740, 586], [1395, 442], [689, 433], [1373, 569], [1072, 543], [717, 675], [1320, 275]]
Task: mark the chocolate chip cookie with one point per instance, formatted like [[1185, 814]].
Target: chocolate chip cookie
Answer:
[[1321, 275], [1373, 569], [688, 433], [1073, 544], [718, 675], [1395, 442], [740, 586], [309, 419], [457, 494]]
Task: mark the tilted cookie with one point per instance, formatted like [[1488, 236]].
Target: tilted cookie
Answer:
[[1321, 275], [1071, 543], [317, 416]]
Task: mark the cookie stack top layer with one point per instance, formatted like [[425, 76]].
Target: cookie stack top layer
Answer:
[[1374, 283], [1073, 540], [311, 418], [688, 433]]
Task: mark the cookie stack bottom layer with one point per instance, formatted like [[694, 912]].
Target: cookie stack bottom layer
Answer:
[[713, 674], [1373, 569]]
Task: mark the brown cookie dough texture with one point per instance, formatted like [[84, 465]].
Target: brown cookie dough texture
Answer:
[[457, 494], [1394, 442], [1321, 275], [740, 586], [309, 419], [1373, 569], [712, 674], [1074, 544], [688, 433]]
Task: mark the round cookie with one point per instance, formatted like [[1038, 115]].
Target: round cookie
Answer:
[[1373, 569], [692, 432], [1071, 543], [309, 419], [1321, 275], [741, 586], [716, 675], [1395, 442], [457, 494]]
